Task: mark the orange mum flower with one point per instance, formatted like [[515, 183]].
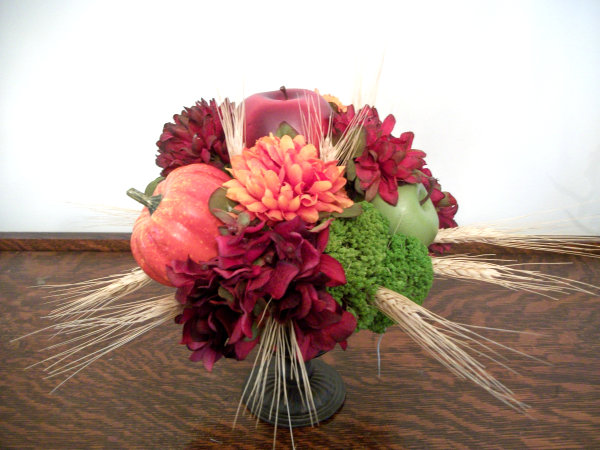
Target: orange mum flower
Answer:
[[279, 179]]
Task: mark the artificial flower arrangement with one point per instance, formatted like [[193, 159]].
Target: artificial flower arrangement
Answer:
[[290, 222]]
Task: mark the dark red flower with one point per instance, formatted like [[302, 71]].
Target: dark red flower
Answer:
[[324, 327], [196, 136], [387, 161], [432, 185], [211, 331], [319, 321], [383, 160], [372, 126], [445, 204], [446, 209], [259, 271]]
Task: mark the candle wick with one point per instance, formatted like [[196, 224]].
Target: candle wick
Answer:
[[282, 89]]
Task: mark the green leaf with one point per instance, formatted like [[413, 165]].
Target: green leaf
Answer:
[[322, 225], [353, 211], [244, 219], [223, 216], [350, 170], [357, 187], [254, 333], [152, 186], [226, 295], [259, 307], [361, 143], [219, 200], [286, 129]]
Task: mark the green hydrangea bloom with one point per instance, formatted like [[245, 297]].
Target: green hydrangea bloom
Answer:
[[372, 258]]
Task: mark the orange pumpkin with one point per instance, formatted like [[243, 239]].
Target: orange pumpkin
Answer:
[[176, 222]]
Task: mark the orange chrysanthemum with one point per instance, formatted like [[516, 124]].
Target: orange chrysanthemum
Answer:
[[279, 179]]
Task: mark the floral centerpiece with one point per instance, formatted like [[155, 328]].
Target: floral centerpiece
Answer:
[[289, 222]]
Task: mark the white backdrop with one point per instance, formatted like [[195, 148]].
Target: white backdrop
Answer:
[[503, 96]]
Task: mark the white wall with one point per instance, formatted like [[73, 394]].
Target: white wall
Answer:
[[503, 96]]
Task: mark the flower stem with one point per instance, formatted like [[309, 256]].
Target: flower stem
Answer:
[[151, 202]]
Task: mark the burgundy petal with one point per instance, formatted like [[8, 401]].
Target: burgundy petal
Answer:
[[333, 269], [283, 274]]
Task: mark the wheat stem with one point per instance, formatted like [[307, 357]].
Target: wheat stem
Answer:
[[232, 119], [438, 336], [479, 268], [565, 244]]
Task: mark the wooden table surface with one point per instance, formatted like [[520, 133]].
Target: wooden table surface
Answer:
[[149, 395]]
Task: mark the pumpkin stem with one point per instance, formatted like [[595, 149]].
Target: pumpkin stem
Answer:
[[151, 202]]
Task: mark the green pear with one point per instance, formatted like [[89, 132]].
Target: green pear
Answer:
[[408, 216]]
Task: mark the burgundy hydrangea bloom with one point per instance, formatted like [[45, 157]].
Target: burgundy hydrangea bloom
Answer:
[[445, 205], [386, 162], [209, 330], [446, 209], [432, 185], [196, 136], [259, 271], [372, 126], [319, 321], [213, 326], [444, 202]]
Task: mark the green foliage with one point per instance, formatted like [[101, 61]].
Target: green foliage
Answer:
[[372, 258]]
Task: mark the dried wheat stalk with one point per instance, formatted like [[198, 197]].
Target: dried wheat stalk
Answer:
[[277, 343], [479, 268], [98, 331], [343, 150], [571, 245], [94, 321], [232, 118], [452, 344], [80, 299]]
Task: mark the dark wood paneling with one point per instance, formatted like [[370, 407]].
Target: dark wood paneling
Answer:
[[94, 242], [149, 395]]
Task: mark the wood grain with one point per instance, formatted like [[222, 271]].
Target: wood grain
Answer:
[[65, 242], [149, 395]]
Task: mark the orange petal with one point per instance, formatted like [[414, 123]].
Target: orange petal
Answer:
[[286, 143], [255, 187], [283, 202], [294, 174], [268, 200], [233, 183], [256, 207], [300, 140], [343, 201], [338, 184], [310, 215], [326, 197], [240, 195], [275, 214], [242, 176], [238, 162], [320, 186], [289, 215], [299, 188], [308, 152], [308, 200], [294, 204], [272, 181]]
